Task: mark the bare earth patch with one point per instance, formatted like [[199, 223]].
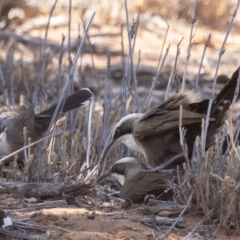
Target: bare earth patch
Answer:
[[108, 220]]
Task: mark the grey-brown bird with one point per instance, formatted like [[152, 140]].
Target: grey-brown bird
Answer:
[[155, 134], [5, 221], [12, 122], [136, 182]]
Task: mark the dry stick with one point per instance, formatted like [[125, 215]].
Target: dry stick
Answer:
[[122, 48], [196, 86], [236, 132], [138, 64], [166, 164], [198, 224], [44, 42], [15, 234], [127, 75], [123, 93], [230, 133], [24, 79], [94, 70], [100, 160], [178, 218], [29, 145], [180, 125], [60, 59], [130, 74], [24, 144], [26, 156], [173, 71], [229, 208], [107, 102], [37, 41], [66, 86], [49, 157], [69, 35], [148, 101], [89, 139], [193, 20], [110, 196], [135, 29], [5, 91], [221, 52], [158, 70], [134, 32], [164, 41], [70, 115]]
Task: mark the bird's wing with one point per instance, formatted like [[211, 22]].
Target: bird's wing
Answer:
[[143, 183], [159, 121], [78, 99]]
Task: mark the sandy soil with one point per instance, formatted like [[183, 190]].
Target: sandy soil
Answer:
[[107, 221], [111, 222]]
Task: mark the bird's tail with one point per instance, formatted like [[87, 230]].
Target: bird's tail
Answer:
[[78, 99], [223, 100], [220, 107], [227, 93]]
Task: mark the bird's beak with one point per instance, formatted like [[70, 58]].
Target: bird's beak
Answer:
[[106, 150], [104, 176]]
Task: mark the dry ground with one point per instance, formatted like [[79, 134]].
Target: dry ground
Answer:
[[110, 222]]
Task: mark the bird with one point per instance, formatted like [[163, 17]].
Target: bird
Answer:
[[136, 181], [155, 133], [13, 121], [4, 220]]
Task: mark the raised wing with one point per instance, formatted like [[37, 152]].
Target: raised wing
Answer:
[[159, 121]]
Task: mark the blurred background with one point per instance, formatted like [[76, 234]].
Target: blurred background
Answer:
[[24, 25], [39, 40]]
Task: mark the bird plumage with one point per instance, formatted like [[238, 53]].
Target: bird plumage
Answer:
[[12, 122], [156, 133], [138, 182]]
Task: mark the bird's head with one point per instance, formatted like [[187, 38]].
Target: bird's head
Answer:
[[123, 169], [122, 133]]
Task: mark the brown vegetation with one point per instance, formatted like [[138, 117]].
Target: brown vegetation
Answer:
[[40, 68]]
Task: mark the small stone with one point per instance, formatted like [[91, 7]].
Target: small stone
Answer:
[[91, 215], [148, 234], [120, 235]]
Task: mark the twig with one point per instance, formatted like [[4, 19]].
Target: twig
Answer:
[[15, 234], [131, 34], [198, 224], [5, 91], [29, 145], [173, 71], [164, 41], [148, 101], [221, 52], [178, 218], [44, 42], [89, 141], [69, 81], [193, 20], [69, 35], [196, 86]]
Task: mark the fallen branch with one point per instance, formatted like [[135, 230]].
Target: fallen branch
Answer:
[[44, 190], [56, 47]]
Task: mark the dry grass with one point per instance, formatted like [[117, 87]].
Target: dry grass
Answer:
[[213, 181]]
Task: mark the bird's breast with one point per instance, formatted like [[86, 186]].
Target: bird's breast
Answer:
[[130, 142], [4, 145], [119, 177]]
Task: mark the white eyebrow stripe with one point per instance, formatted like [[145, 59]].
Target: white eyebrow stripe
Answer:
[[85, 103]]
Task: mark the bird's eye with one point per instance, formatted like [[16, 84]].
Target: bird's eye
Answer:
[[117, 132]]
